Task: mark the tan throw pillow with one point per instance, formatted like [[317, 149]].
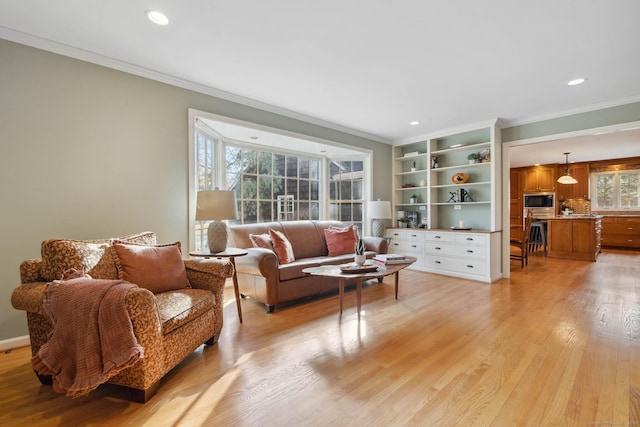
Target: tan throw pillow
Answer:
[[282, 247], [261, 241], [340, 241], [157, 268]]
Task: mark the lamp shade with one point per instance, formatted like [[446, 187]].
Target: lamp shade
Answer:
[[216, 205], [379, 209]]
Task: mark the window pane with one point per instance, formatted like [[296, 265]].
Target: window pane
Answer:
[[314, 169], [304, 189], [249, 212], [249, 183], [278, 165], [264, 184], [345, 190], [292, 188], [266, 211], [250, 161], [303, 210], [278, 187], [315, 210], [314, 192], [629, 190], [292, 167], [605, 191], [265, 165], [233, 159], [303, 166], [345, 212]]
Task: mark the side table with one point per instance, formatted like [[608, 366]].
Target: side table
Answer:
[[230, 253]]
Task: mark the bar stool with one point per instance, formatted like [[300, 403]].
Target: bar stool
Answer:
[[538, 237]]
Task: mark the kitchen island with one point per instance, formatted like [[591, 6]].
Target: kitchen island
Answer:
[[574, 236]]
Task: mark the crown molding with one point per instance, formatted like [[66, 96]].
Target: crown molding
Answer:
[[94, 58], [564, 113]]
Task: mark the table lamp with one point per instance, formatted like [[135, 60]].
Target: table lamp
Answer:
[[216, 205], [379, 211]]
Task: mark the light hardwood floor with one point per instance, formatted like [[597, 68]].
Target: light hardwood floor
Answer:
[[557, 344]]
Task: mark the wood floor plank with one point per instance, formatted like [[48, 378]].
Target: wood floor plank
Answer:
[[556, 344]]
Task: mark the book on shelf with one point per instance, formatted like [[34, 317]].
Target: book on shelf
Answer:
[[390, 259]]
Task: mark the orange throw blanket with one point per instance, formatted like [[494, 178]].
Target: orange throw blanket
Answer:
[[92, 338]]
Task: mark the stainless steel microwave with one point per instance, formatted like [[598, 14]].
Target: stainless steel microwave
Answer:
[[540, 200]]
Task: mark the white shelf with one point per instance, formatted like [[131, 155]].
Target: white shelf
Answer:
[[462, 147], [468, 165], [466, 184], [412, 173], [416, 156], [460, 203]]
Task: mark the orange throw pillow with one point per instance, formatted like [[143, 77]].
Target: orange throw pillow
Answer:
[[156, 268], [282, 247], [340, 241]]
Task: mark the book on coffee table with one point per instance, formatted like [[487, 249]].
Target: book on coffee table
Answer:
[[387, 259]]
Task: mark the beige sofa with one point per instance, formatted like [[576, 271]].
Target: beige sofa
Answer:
[[168, 325], [263, 278]]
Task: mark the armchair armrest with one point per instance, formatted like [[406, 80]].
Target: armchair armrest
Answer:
[[29, 297], [30, 271], [377, 244], [208, 274]]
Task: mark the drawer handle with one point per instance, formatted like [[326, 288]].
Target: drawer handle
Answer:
[[469, 251], [437, 237], [396, 244], [396, 234], [469, 238], [413, 246], [469, 266], [438, 248], [437, 262], [414, 235]]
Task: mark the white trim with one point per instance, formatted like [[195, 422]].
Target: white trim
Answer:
[[565, 113], [16, 342], [573, 134], [87, 56]]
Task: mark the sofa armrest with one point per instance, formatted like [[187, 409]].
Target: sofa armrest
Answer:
[[258, 262], [208, 274], [379, 245], [29, 297]]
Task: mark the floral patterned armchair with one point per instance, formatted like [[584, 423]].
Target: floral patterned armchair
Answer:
[[168, 324]]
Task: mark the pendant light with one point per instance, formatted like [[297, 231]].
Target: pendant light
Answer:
[[566, 178]]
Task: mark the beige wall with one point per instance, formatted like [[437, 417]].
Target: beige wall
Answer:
[[89, 152]]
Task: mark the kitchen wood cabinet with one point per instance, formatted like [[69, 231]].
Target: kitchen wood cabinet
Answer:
[[538, 178], [574, 237], [621, 231], [580, 171]]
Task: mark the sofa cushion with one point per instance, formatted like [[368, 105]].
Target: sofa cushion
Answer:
[[340, 241], [261, 241], [282, 247], [91, 256], [157, 268], [177, 308]]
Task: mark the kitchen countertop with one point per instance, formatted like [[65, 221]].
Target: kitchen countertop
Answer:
[[577, 216]]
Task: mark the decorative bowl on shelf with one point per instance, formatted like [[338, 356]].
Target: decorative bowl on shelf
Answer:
[[460, 178]]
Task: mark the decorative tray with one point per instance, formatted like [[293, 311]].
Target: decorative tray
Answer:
[[358, 269]]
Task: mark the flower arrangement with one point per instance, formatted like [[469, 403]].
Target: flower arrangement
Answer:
[[359, 247]]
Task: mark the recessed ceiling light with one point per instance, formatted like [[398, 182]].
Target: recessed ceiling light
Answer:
[[157, 17], [414, 123], [577, 81]]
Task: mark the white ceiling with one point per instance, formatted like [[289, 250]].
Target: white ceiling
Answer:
[[366, 66]]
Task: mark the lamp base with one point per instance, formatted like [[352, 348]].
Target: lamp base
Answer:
[[378, 228], [217, 236]]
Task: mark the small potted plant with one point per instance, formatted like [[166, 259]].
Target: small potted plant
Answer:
[[413, 199], [403, 222], [473, 158], [359, 252]]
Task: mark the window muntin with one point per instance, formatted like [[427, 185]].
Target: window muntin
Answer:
[[619, 190]]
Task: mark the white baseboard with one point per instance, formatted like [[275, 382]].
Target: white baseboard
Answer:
[[16, 342]]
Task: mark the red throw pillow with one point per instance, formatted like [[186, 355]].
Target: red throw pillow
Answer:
[[261, 241], [282, 247], [340, 241], [156, 268]]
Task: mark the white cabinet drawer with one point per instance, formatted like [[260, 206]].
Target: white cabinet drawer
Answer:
[[414, 235], [464, 251], [434, 236], [457, 265], [470, 239], [395, 234]]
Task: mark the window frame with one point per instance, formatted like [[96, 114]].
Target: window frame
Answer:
[[364, 154], [616, 189]]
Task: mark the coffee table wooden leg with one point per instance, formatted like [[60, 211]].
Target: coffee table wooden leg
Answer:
[[396, 279], [235, 288], [341, 287], [359, 294]]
